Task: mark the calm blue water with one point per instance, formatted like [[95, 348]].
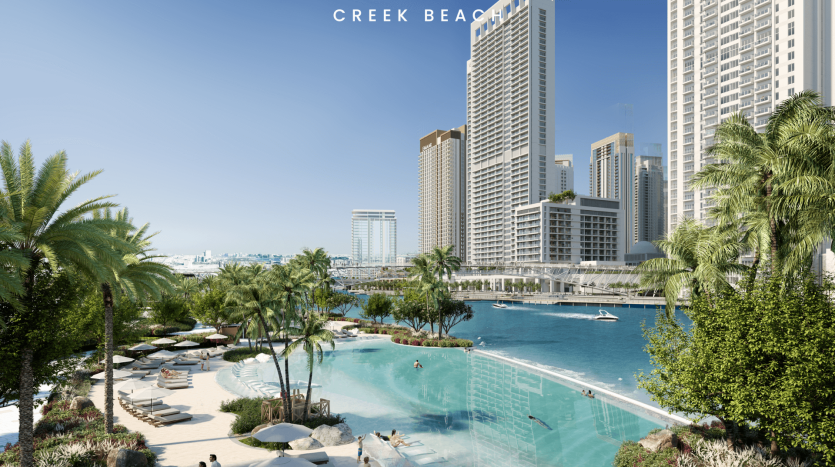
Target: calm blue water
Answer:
[[467, 410], [565, 339]]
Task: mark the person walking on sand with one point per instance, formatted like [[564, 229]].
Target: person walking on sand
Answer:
[[359, 447], [213, 460], [418, 365]]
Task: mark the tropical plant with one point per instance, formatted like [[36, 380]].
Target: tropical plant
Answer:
[[378, 306], [312, 335], [698, 260], [317, 262], [559, 198], [140, 277], [30, 208]]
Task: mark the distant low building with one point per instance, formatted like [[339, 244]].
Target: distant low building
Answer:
[[572, 231]]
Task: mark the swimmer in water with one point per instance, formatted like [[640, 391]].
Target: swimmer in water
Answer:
[[537, 421]]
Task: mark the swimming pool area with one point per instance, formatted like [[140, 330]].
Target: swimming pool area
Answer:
[[466, 409]]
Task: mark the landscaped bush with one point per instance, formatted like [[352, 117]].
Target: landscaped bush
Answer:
[[70, 438], [248, 411], [396, 340], [236, 355]]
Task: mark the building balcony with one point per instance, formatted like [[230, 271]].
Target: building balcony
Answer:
[[747, 19], [763, 24]]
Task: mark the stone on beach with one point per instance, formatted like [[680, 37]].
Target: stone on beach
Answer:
[[332, 436], [259, 428], [305, 444], [126, 458], [343, 427]]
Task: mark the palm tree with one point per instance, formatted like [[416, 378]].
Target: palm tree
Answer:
[[11, 261], [48, 238], [752, 167], [257, 295], [699, 259], [291, 283], [313, 333], [187, 286], [317, 262], [141, 277], [443, 261]]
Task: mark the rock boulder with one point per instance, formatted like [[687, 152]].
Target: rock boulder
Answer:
[[662, 440], [343, 427], [259, 428], [331, 436], [126, 458], [80, 403], [305, 444]]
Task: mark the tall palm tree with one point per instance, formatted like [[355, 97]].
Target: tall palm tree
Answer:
[[316, 261], [11, 261], [292, 283], [187, 286], [139, 278], [752, 167], [313, 334], [443, 261], [257, 296], [46, 237], [699, 259]]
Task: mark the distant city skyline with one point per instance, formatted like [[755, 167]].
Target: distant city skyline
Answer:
[[211, 128]]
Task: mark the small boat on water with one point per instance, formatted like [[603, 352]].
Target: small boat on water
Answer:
[[604, 315], [499, 305]]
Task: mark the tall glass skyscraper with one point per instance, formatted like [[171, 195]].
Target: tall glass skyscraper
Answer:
[[373, 237]]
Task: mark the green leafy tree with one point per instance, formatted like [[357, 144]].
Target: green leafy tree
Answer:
[[168, 309], [210, 308], [30, 208], [411, 309], [378, 306], [455, 312], [762, 358], [443, 261], [312, 335], [317, 262], [559, 198], [342, 302]]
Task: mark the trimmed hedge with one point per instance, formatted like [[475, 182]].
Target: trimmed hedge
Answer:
[[236, 355]]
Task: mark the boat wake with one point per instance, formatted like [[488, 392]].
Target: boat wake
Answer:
[[570, 315]]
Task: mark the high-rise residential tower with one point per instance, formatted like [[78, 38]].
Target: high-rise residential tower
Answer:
[[564, 175], [510, 121], [612, 175], [727, 56], [373, 237], [648, 206], [442, 204]]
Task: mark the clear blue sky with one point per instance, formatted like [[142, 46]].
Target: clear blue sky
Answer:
[[258, 126]]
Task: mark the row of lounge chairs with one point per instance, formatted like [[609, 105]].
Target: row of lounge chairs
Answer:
[[340, 334], [153, 412]]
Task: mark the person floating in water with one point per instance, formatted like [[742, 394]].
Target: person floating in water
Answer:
[[590, 394], [539, 421], [418, 365], [584, 392]]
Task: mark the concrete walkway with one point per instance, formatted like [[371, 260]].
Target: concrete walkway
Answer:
[[187, 443]]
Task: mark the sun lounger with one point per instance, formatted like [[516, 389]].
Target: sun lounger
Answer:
[[178, 385], [177, 370], [148, 409], [158, 413], [140, 373], [178, 361], [160, 421], [144, 403], [146, 365], [318, 458], [172, 380]]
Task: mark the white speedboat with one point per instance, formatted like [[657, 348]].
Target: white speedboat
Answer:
[[499, 305], [605, 316]]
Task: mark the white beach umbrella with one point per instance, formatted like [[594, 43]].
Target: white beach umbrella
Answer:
[[162, 354], [186, 344], [116, 374], [216, 337], [150, 393], [133, 385], [284, 462], [142, 347], [282, 433], [118, 359], [164, 340]]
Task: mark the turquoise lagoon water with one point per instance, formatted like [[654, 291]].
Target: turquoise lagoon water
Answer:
[[566, 340], [468, 409]]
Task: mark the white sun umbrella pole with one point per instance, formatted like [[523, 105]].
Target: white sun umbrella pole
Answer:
[[282, 433]]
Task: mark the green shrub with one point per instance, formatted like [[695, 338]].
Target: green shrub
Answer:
[[427, 343], [248, 411], [464, 342], [236, 355], [631, 454]]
